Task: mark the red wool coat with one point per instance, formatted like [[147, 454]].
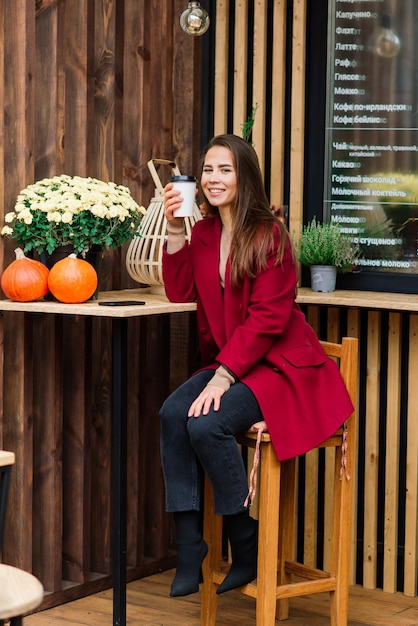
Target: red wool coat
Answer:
[[260, 334]]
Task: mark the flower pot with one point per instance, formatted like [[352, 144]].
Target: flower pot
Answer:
[[59, 253], [323, 277]]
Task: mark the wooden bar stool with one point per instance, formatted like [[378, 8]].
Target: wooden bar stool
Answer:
[[20, 592], [275, 583]]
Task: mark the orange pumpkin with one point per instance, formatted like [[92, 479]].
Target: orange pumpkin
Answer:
[[24, 279], [72, 280]]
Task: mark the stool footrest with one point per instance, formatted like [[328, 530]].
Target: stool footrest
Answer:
[[305, 571], [293, 590]]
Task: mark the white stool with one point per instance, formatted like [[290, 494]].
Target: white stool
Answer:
[[20, 593]]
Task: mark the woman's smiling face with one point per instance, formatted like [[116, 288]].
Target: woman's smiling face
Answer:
[[219, 177]]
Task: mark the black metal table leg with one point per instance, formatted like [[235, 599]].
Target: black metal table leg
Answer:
[[119, 470]]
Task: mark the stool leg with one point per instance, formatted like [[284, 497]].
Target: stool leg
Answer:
[[212, 534], [268, 538], [341, 533], [286, 530]]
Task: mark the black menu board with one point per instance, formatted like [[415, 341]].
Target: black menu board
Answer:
[[371, 162]]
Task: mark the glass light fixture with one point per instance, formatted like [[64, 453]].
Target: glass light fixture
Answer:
[[194, 20], [385, 42]]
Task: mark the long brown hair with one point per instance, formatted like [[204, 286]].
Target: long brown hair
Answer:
[[254, 223]]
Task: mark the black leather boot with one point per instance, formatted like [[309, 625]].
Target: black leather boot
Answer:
[[243, 537], [191, 550]]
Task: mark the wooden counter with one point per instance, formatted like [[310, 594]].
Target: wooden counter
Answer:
[[155, 304], [360, 299]]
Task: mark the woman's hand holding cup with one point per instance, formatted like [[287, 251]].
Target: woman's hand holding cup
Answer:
[[182, 203], [172, 201]]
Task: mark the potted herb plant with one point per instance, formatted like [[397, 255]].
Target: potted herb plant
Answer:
[[326, 250]]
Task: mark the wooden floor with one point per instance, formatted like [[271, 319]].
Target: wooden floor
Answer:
[[150, 605]]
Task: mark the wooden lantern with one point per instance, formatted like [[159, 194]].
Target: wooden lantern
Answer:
[[144, 255]]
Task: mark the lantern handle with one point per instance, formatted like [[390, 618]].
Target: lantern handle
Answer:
[[151, 166]]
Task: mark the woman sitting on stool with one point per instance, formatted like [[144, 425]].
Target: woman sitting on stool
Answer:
[[262, 364]]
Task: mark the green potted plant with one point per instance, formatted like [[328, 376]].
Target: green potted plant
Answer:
[[326, 250]]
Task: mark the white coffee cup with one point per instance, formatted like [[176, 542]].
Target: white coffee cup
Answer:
[[187, 187]]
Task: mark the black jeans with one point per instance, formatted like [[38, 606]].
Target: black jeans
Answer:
[[192, 446]]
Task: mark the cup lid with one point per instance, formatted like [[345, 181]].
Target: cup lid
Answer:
[[182, 178]]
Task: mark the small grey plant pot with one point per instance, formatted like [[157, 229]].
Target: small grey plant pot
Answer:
[[323, 277]]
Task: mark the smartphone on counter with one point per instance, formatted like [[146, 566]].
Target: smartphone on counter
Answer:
[[121, 302]]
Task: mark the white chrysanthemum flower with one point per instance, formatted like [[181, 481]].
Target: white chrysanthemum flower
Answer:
[[67, 217], [54, 216], [6, 230], [99, 211], [25, 216], [9, 217], [74, 205]]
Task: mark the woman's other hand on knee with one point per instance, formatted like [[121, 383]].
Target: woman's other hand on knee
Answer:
[[211, 394]]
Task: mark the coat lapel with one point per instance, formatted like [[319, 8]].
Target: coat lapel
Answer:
[[206, 253]]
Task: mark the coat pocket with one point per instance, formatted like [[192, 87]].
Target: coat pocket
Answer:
[[304, 356]]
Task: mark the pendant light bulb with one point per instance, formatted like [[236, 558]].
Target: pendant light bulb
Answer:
[[194, 20], [385, 42]]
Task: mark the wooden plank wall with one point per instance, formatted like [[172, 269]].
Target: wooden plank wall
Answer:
[[385, 521], [93, 88]]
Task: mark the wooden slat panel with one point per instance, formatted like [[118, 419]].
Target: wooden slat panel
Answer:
[[18, 437], [240, 65], [46, 90], [104, 93], [353, 330], [259, 78], [311, 508], [310, 521], [101, 446], [311, 479], [77, 98], [411, 508], [333, 334], [18, 100], [135, 504], [183, 108], [372, 450], [18, 114], [155, 379], [278, 98], [392, 454], [221, 67], [298, 117], [47, 462], [75, 454], [313, 317], [161, 93], [136, 76], [101, 110]]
